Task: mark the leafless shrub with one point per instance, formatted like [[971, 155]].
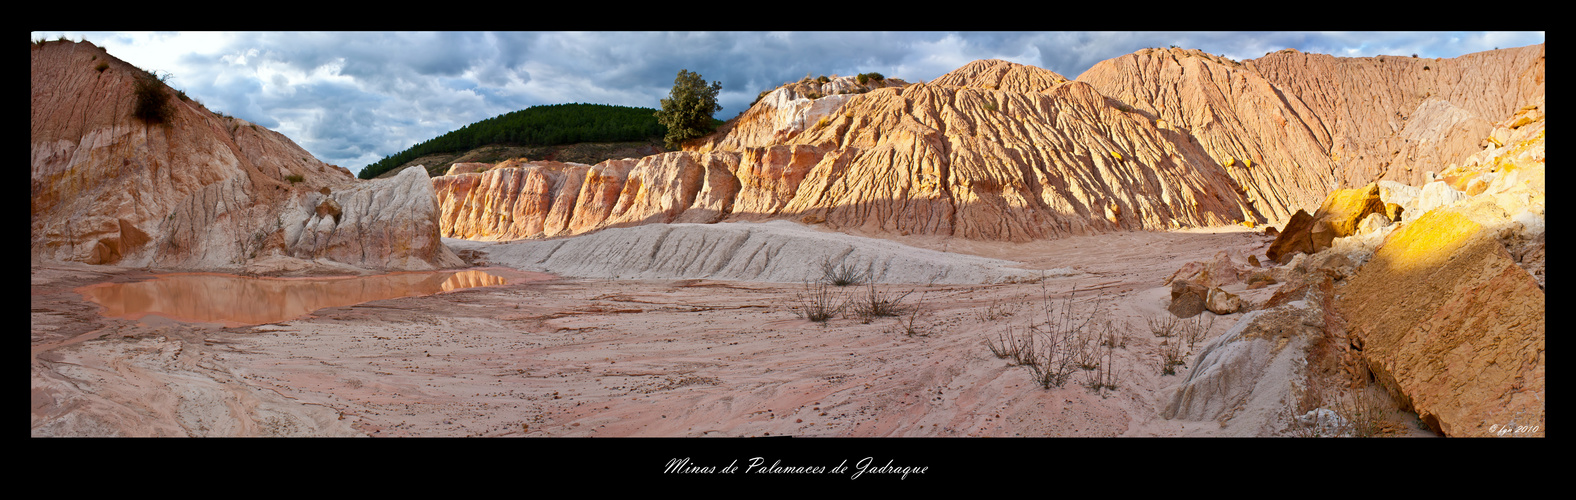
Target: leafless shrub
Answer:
[[1162, 326], [1320, 408], [1058, 343], [1017, 348], [1171, 356], [1366, 414], [909, 323], [819, 302], [843, 273], [1196, 329], [995, 311], [877, 304], [1103, 377]]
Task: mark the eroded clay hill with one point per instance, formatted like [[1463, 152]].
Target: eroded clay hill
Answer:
[[1292, 126], [1158, 139], [197, 190], [994, 151]]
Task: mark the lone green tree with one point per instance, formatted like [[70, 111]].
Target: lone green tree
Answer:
[[688, 109]]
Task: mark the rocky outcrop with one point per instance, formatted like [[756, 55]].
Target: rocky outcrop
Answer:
[[1245, 377], [1450, 309], [194, 190], [467, 168], [1291, 126], [1397, 118], [1450, 323], [1159, 139], [965, 160], [376, 224]]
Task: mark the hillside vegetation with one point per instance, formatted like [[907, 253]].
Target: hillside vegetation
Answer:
[[545, 125]]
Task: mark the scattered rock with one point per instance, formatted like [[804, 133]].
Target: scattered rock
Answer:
[[1215, 272], [1295, 238], [1372, 223], [1187, 299], [1222, 302]]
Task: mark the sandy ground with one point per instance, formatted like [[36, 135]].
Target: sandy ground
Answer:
[[581, 357]]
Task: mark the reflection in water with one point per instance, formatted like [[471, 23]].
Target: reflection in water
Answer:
[[234, 300]]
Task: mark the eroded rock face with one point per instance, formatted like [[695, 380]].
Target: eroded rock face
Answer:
[[197, 191], [1451, 324], [379, 224], [996, 151], [1397, 118], [1244, 374], [1000, 151], [1292, 126]]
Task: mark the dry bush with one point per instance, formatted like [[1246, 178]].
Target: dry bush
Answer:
[[996, 310], [1196, 329], [819, 302], [1163, 326], [843, 274], [878, 304], [1055, 345], [1366, 414], [1102, 377], [1171, 356], [909, 324]]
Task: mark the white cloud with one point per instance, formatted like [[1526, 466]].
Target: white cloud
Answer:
[[352, 98]]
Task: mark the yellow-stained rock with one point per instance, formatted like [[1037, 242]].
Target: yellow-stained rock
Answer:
[[1451, 325]]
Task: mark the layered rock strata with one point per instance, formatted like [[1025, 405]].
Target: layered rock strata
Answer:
[[1158, 139], [195, 190], [1292, 126], [963, 160]]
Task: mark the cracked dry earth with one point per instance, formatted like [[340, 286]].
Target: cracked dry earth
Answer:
[[547, 356]]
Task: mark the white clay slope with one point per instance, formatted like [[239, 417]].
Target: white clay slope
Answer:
[[776, 251]]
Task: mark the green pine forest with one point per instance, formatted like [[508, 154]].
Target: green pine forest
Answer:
[[545, 125]]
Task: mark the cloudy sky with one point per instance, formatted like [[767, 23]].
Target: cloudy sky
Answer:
[[353, 98]]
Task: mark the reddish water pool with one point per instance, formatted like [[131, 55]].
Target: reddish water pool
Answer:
[[237, 300]]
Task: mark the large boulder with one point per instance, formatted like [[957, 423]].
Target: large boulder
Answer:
[[1451, 324], [1187, 299], [1339, 216], [1222, 302], [1218, 271], [1293, 239], [1341, 213], [1434, 195]]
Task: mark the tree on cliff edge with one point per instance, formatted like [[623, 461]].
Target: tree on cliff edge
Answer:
[[687, 110]]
